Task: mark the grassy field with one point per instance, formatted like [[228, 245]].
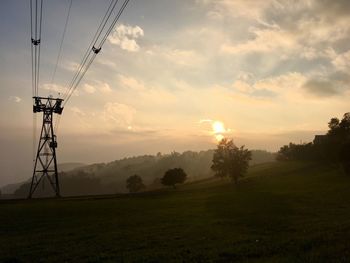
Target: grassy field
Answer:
[[281, 212]]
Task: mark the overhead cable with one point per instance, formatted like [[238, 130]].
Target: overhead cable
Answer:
[[61, 43], [94, 49]]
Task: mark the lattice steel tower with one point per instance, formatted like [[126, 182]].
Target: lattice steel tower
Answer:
[[45, 163]]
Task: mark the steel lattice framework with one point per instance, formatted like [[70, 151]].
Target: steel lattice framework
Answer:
[[45, 163]]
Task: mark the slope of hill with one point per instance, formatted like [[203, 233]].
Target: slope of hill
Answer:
[[110, 178], [152, 167], [10, 188], [64, 167], [281, 212]]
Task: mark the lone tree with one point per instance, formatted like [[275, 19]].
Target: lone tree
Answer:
[[173, 177], [230, 161], [134, 184]]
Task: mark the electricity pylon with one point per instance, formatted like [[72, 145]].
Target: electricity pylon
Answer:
[[45, 163]]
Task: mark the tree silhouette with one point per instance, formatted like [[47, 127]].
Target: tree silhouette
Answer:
[[173, 177], [134, 184], [230, 161], [340, 130], [331, 147]]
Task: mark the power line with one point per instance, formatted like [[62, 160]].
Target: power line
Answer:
[[39, 37], [114, 22], [36, 22], [95, 49], [31, 45], [59, 56], [87, 52], [35, 34], [61, 43], [80, 77]]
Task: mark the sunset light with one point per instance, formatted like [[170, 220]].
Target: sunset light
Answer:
[[175, 131], [218, 127], [218, 130]]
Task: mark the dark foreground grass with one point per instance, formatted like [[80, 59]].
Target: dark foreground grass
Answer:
[[282, 212]]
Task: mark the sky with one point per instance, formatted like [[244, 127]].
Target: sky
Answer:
[[175, 76]]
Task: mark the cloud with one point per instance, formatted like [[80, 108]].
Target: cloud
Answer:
[[143, 93], [320, 88], [15, 99], [105, 88], [250, 9], [340, 77], [265, 40], [177, 56], [120, 114], [269, 12], [58, 88], [205, 121], [287, 27], [342, 61], [292, 86], [77, 111], [125, 37], [337, 10], [71, 66], [89, 89], [105, 62], [102, 87], [270, 87], [182, 57], [288, 81], [130, 83]]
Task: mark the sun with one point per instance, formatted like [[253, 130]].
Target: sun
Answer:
[[218, 127], [218, 130]]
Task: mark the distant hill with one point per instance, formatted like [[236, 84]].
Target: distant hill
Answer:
[[64, 167], [152, 167], [109, 178], [262, 156], [10, 188]]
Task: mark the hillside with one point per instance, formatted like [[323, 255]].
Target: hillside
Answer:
[[110, 178], [64, 167], [281, 212]]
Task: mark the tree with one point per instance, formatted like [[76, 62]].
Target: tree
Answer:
[[305, 151], [326, 148], [230, 161], [333, 124], [134, 184], [340, 130], [173, 177]]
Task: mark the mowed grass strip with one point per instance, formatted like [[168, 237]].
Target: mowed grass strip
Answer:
[[281, 212]]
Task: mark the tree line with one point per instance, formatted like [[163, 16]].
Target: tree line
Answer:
[[334, 146], [172, 177], [228, 161]]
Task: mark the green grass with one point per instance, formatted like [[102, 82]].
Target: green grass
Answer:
[[281, 212]]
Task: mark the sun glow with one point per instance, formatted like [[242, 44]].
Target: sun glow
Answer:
[[218, 127], [219, 137], [218, 130]]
